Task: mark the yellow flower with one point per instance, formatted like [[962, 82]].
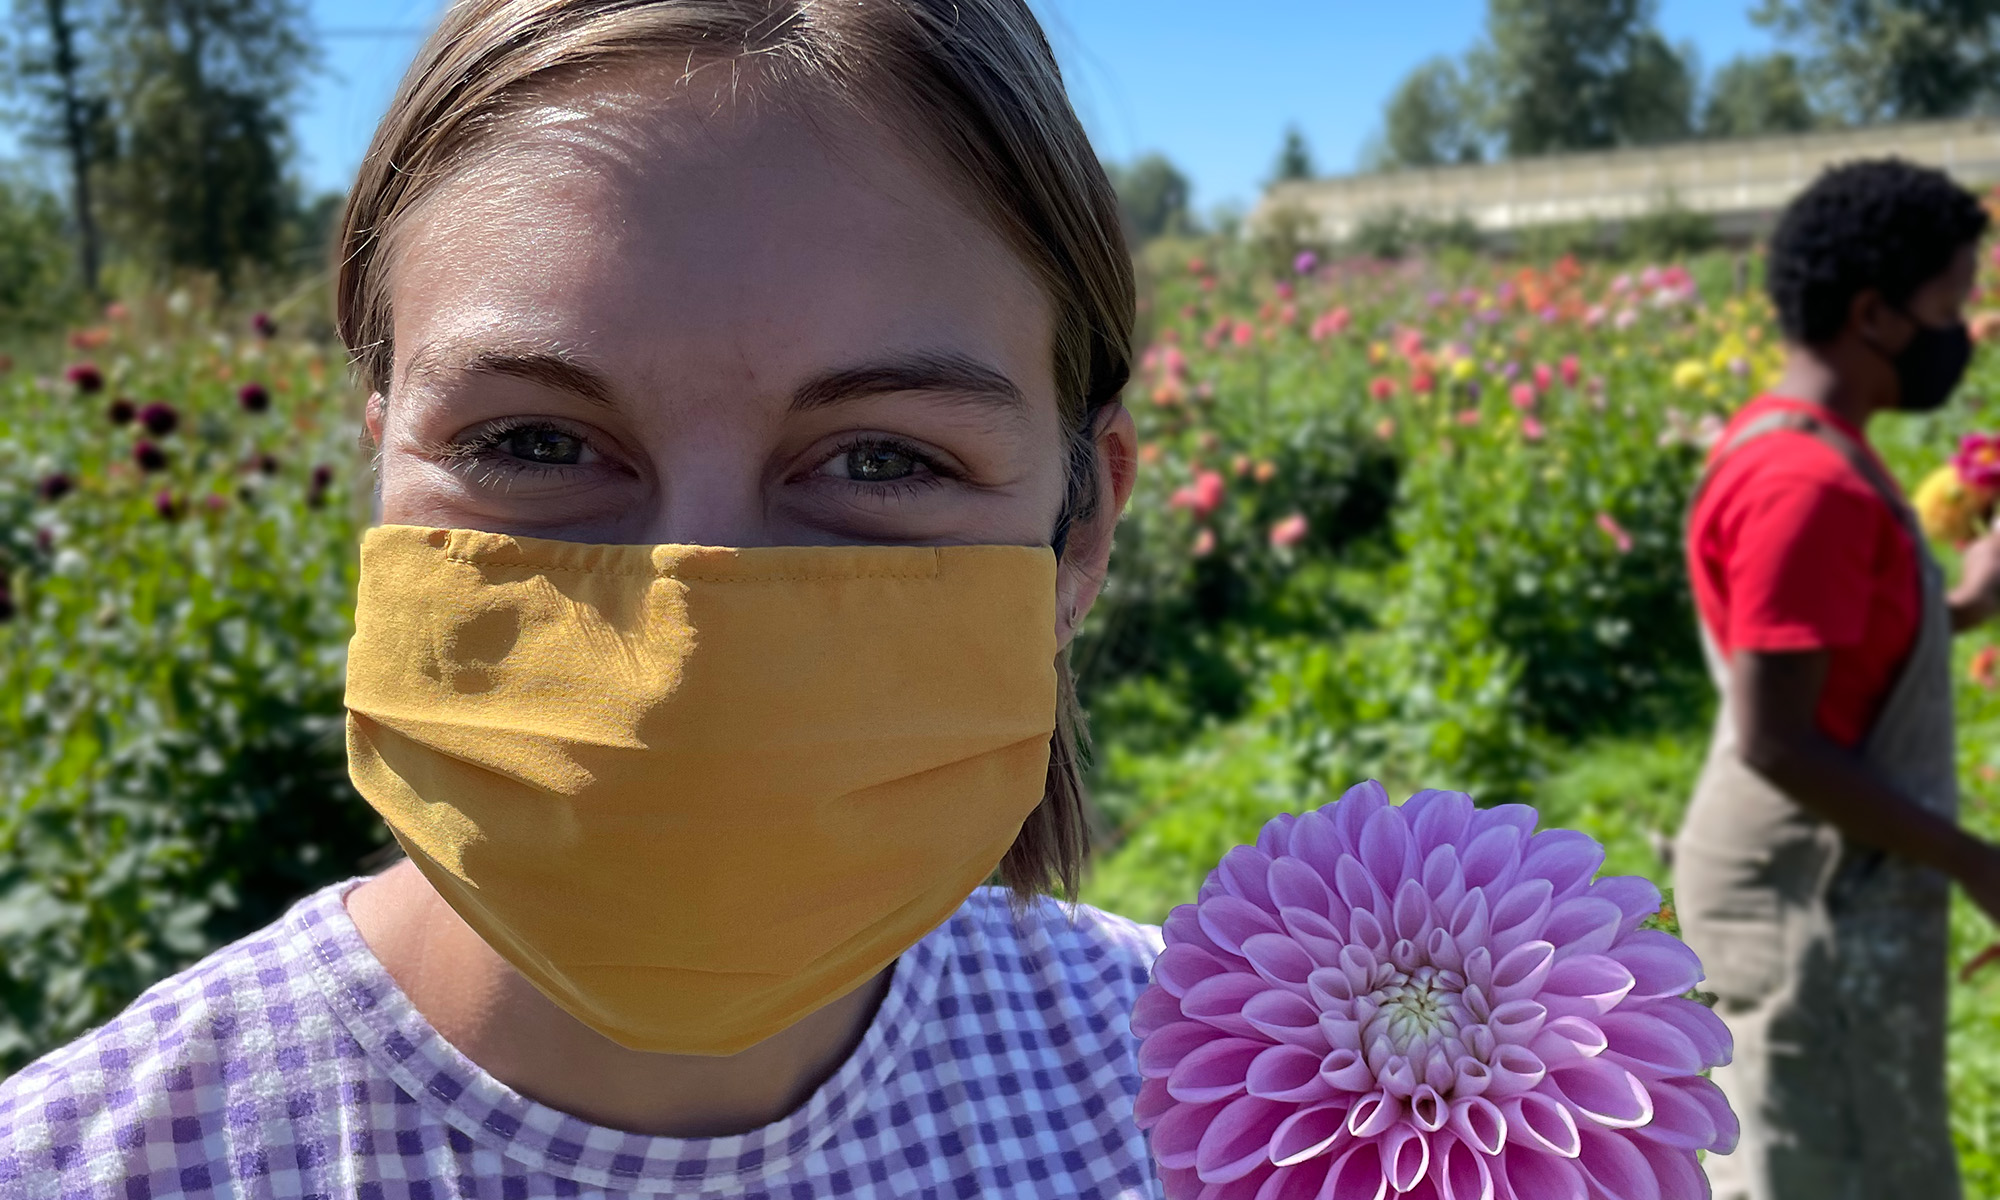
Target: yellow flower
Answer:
[[1462, 369], [1690, 375], [1948, 508]]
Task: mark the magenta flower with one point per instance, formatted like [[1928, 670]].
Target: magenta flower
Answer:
[[1292, 530], [149, 456], [85, 377], [55, 486], [159, 419], [254, 398], [1431, 1000], [264, 326], [122, 411], [1616, 532], [1978, 461]]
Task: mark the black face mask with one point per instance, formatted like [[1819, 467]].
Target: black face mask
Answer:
[[1931, 365]]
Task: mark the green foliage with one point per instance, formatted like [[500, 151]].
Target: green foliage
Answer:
[[171, 759], [1884, 60], [1669, 231], [1755, 95], [37, 288], [1153, 195], [1580, 75], [1398, 232], [1295, 160], [1433, 119]]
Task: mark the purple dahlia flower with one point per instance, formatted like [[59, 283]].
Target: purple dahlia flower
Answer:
[[1426, 1000]]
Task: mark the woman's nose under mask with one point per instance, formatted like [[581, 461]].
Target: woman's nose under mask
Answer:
[[695, 794]]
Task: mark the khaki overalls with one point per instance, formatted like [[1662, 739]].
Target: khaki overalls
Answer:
[[1829, 959]]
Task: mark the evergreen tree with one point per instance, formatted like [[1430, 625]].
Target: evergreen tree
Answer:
[[1154, 197], [1760, 95], [1581, 75], [1294, 158], [1432, 119], [64, 115], [1874, 60]]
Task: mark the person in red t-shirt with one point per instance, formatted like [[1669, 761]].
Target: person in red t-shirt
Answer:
[[1812, 872]]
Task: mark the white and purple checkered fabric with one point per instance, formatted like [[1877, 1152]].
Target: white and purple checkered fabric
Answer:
[[290, 1065]]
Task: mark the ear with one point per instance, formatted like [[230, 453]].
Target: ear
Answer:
[[1087, 555], [1877, 322], [377, 409]]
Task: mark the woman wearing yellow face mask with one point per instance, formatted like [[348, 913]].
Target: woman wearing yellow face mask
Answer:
[[745, 383]]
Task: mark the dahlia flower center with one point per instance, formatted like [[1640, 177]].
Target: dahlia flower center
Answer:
[[1414, 1011]]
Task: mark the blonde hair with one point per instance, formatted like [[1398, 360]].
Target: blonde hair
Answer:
[[972, 82]]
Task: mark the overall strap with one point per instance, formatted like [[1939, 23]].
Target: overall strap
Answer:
[[1856, 456]]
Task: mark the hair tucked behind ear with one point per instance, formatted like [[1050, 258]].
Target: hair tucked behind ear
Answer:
[[973, 86]]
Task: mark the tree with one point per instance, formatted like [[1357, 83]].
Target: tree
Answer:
[[1154, 196], [1432, 119], [1874, 60], [49, 72], [1581, 75], [1757, 95], [1294, 158], [200, 91]]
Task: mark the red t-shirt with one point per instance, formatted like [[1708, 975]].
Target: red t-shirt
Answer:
[[1790, 548]]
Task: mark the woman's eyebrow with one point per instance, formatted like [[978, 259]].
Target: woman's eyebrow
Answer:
[[550, 368], [950, 374]]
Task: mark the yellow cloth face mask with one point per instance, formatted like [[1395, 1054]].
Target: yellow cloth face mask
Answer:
[[695, 794]]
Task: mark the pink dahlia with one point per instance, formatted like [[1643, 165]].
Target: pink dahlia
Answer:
[[1428, 1000]]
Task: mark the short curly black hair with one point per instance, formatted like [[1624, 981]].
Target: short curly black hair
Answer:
[[1880, 223]]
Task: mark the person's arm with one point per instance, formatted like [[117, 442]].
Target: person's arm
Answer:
[[1776, 698], [1976, 599]]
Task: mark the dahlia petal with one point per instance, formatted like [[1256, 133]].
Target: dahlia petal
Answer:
[[1164, 1050], [1461, 1171], [1152, 1103], [1406, 1156], [1616, 1167], [1606, 1093], [1634, 895], [1316, 843], [1439, 1072], [1214, 1071], [1357, 1175], [1478, 974], [1279, 960], [1229, 919], [1428, 1110], [1276, 836], [1156, 1008], [1601, 982], [1309, 1133], [1564, 857], [1440, 820], [1366, 929], [1518, 1021], [1294, 884], [1645, 1039], [1473, 1077], [1219, 1001], [1521, 973], [1711, 1037], [1337, 986], [1289, 1073], [1492, 858], [1244, 1187], [1479, 1123], [1180, 1132], [1386, 849], [1183, 928], [1301, 1182], [1374, 1114], [1443, 950], [1566, 1041], [1679, 1120], [1520, 913], [1356, 887], [1541, 1121], [1319, 936], [1355, 808], [1519, 817], [1660, 964], [1346, 1070], [1443, 879], [1679, 1174], [1704, 1092], [1245, 873], [1180, 1185], [1398, 1077], [1583, 925], [1182, 965], [1471, 922], [1287, 1018], [1533, 1176], [1515, 1069], [1411, 915], [1238, 1140]]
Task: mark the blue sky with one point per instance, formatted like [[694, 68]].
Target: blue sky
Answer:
[[1211, 85]]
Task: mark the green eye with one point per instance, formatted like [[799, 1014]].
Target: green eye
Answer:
[[543, 445], [879, 464]]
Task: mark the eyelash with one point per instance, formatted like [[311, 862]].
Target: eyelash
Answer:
[[482, 446]]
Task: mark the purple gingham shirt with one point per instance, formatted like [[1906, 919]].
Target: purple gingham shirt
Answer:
[[290, 1065]]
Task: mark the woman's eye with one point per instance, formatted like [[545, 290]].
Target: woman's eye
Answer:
[[542, 445], [874, 464]]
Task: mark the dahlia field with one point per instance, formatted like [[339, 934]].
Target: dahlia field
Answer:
[[1412, 521]]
